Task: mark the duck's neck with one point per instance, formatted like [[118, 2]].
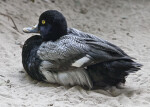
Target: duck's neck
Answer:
[[55, 35]]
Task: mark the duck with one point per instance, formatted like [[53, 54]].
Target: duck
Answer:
[[70, 57]]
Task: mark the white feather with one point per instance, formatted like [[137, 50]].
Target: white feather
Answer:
[[71, 77], [81, 61], [50, 77]]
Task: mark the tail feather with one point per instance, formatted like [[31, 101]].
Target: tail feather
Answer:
[[112, 73], [135, 67]]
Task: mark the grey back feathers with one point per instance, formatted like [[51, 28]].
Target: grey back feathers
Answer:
[[76, 46]]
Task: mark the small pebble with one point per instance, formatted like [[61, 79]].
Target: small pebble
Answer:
[[114, 31], [124, 18], [114, 38], [8, 81], [21, 71], [128, 33], [83, 10], [99, 29], [53, 1], [50, 104]]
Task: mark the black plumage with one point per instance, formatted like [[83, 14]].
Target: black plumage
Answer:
[[30, 60]]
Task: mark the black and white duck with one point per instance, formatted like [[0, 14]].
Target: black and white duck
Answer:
[[71, 57]]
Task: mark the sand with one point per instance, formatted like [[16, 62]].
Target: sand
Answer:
[[125, 23]]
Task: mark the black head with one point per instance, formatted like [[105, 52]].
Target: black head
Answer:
[[52, 25]]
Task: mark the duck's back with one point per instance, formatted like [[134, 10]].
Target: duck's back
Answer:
[[30, 59]]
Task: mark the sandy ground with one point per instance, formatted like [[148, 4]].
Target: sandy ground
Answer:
[[125, 23]]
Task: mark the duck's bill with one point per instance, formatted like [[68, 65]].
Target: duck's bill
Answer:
[[33, 29]]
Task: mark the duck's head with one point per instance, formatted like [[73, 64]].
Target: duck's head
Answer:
[[52, 25]]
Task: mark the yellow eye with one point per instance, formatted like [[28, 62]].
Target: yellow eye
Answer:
[[43, 22]]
